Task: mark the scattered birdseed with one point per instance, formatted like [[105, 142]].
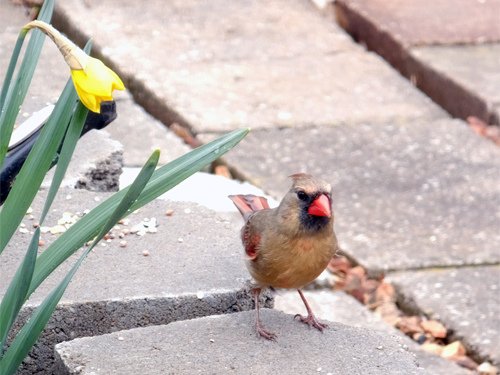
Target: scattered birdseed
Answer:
[[57, 229]]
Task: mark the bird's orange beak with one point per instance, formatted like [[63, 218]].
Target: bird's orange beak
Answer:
[[320, 207]]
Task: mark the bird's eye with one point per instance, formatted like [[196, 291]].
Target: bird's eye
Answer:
[[302, 195]]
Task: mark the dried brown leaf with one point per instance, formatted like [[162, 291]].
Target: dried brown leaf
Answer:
[[453, 350], [410, 324], [432, 347], [435, 328], [339, 264]]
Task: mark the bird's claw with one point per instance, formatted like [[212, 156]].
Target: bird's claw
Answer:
[[265, 333], [311, 320]]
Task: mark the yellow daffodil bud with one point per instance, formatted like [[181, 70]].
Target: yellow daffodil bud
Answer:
[[94, 82]]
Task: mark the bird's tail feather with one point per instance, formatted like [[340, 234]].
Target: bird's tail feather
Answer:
[[249, 203]]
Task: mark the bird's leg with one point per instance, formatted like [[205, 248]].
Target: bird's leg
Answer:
[[258, 325], [310, 319]]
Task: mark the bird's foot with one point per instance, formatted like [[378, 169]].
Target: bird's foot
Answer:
[[264, 332], [311, 320]]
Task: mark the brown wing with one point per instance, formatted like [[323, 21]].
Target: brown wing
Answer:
[[247, 205]]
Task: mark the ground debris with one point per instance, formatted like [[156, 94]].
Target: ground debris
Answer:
[[380, 297]]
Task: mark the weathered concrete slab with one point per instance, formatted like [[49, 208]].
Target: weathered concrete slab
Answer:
[[96, 164], [465, 299], [341, 308], [192, 266], [51, 73], [261, 65], [225, 344], [138, 131], [392, 28], [474, 67], [412, 195], [438, 22]]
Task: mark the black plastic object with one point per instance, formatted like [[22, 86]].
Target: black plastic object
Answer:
[[16, 157]]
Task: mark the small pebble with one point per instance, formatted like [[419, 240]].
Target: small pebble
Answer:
[[145, 253], [23, 230], [120, 338], [169, 212], [180, 239], [187, 211], [41, 243], [380, 347], [212, 340], [123, 243], [68, 197], [23, 225], [97, 199], [30, 210]]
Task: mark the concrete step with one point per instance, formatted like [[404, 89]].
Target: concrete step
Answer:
[[138, 131], [228, 344], [456, 65], [420, 194], [262, 65], [342, 308], [466, 300], [190, 267]]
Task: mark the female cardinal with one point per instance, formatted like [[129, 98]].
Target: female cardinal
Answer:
[[290, 245]]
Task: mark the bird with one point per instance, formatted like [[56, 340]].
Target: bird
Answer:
[[290, 245]]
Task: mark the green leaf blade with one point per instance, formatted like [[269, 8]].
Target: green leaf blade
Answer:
[[16, 293], [161, 181]]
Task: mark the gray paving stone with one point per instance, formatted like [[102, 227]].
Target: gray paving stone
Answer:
[[438, 22], [465, 299], [138, 131], [248, 68], [194, 268], [474, 67], [341, 308], [412, 195], [96, 164], [228, 344], [51, 73]]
